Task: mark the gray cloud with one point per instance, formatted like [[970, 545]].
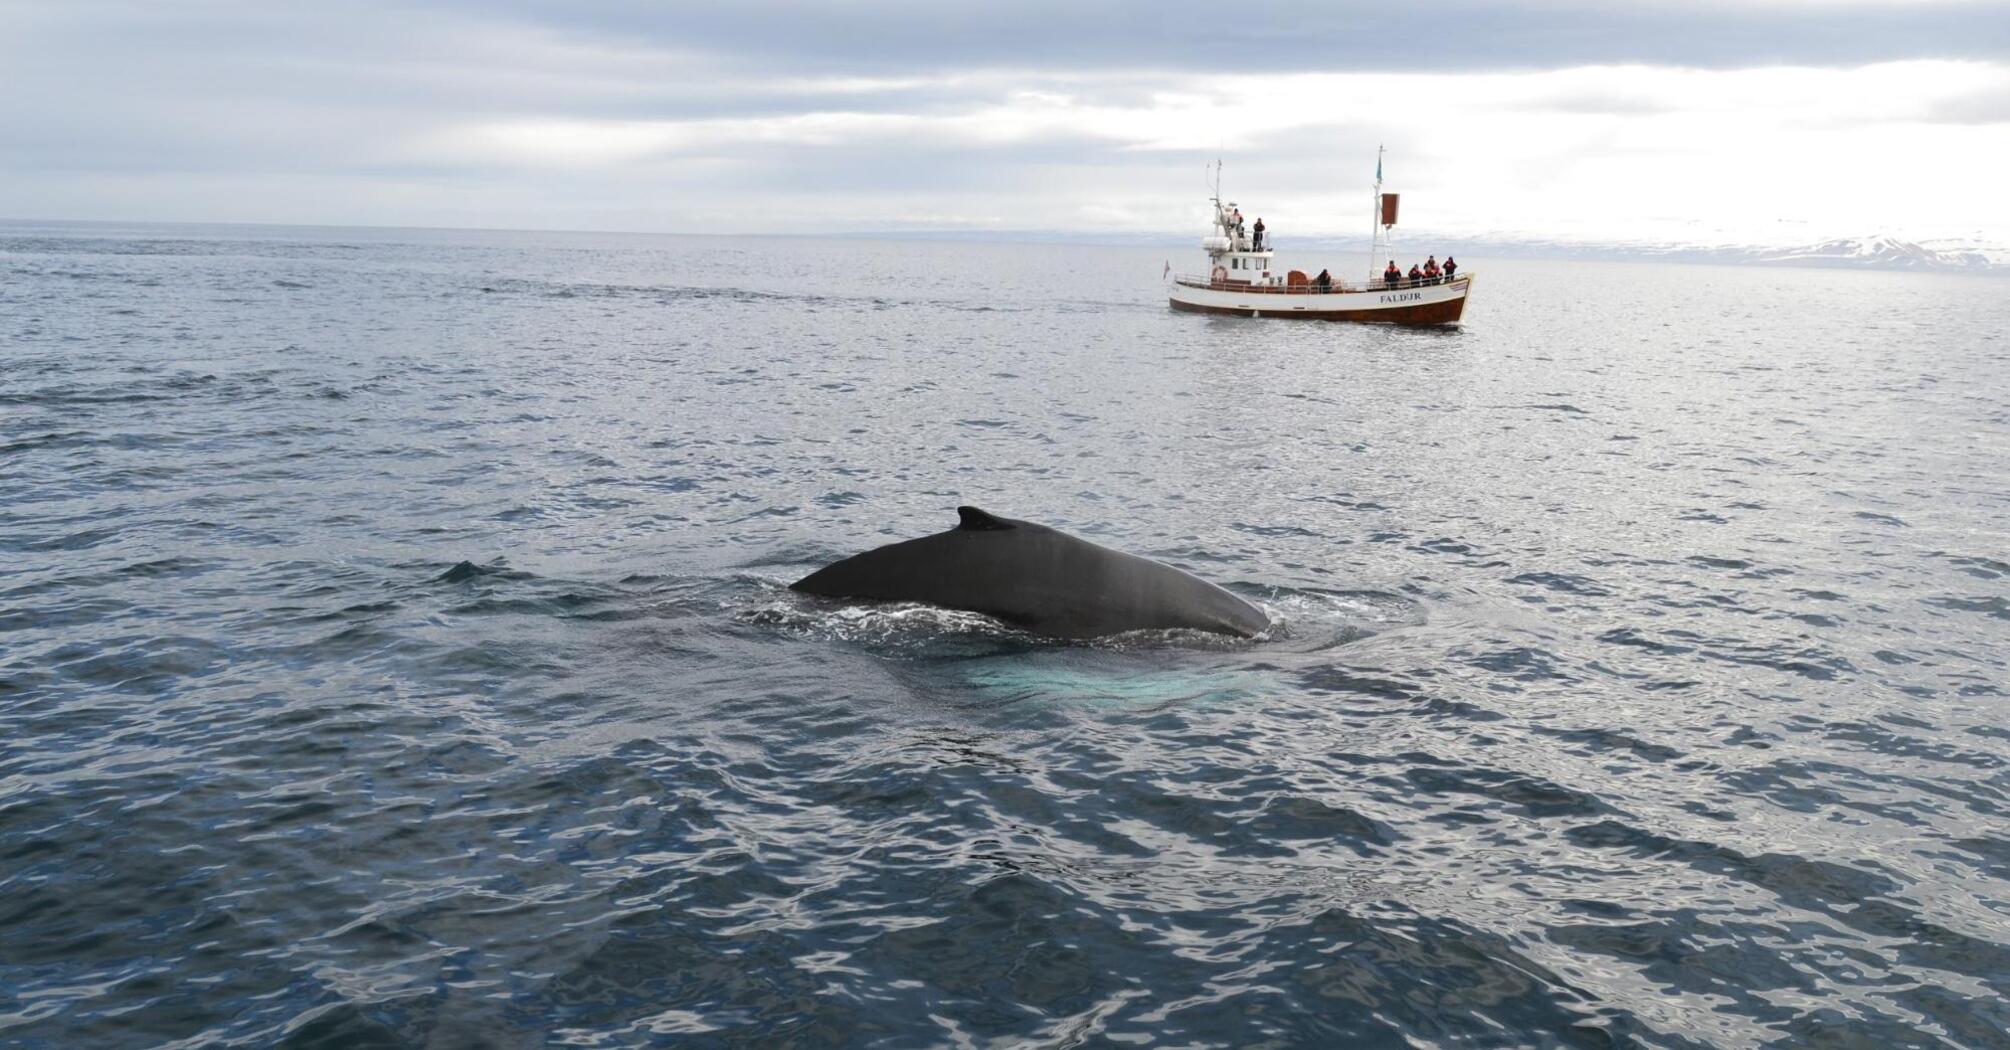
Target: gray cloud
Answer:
[[1616, 105], [1980, 107], [882, 36]]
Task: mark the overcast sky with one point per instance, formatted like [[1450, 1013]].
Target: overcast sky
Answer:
[[1778, 121]]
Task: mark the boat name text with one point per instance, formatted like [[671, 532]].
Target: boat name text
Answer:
[[1402, 298]]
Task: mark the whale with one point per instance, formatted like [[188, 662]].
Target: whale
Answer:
[[1037, 579]]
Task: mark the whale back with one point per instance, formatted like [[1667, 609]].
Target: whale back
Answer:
[[1037, 578]]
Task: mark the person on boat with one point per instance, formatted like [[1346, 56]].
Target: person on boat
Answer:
[[1416, 275], [1392, 277], [1324, 281], [1431, 271], [1451, 267], [1258, 228]]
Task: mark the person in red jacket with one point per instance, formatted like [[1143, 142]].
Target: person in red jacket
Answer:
[[1392, 277], [1431, 271], [1416, 275]]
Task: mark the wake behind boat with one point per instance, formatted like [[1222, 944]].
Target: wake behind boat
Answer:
[[1242, 279]]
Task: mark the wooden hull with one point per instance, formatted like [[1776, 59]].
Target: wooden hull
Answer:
[[1431, 304]]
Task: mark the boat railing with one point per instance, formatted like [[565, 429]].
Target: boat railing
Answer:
[[1312, 288]]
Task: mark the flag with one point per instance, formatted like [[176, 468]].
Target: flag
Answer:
[[1167, 270], [1378, 167]]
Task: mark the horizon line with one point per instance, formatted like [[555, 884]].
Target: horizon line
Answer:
[[1613, 249]]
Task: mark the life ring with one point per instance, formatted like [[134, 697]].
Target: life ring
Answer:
[[1219, 275]]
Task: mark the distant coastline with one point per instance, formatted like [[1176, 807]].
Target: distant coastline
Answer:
[[1874, 252]]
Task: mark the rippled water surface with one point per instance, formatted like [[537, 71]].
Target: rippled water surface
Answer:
[[395, 650]]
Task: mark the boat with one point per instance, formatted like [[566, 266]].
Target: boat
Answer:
[[1242, 279]]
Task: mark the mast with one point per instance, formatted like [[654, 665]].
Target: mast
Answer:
[[1378, 238], [1220, 222]]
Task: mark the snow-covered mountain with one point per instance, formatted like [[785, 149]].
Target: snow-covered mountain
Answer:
[[1996, 255], [1879, 252], [1876, 252]]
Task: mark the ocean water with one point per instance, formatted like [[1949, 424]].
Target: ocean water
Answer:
[[395, 650]]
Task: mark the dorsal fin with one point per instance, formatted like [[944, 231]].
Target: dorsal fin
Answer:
[[970, 519]]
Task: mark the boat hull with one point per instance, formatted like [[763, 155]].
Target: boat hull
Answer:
[[1431, 304]]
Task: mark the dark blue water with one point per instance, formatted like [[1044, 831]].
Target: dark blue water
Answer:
[[395, 650]]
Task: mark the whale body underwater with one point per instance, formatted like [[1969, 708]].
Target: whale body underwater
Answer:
[[1037, 579]]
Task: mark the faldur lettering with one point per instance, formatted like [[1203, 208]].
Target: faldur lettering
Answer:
[[1403, 297]]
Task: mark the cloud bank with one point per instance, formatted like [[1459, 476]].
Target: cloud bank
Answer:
[[1769, 122]]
